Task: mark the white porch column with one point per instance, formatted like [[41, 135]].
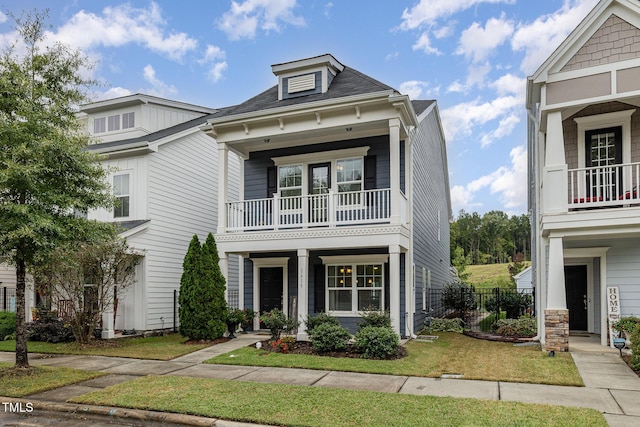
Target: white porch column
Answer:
[[303, 293], [394, 287], [394, 152], [556, 293], [555, 167], [107, 316], [224, 269], [223, 166]]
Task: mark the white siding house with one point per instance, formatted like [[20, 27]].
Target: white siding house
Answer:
[[166, 182], [584, 174]]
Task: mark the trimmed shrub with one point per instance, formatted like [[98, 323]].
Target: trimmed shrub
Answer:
[[447, 325], [635, 349], [7, 324], [329, 337], [513, 303], [277, 322], [320, 319], [376, 342], [48, 328], [525, 326], [376, 318], [459, 297]]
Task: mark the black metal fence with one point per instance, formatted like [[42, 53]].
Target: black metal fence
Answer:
[[484, 304], [7, 299]]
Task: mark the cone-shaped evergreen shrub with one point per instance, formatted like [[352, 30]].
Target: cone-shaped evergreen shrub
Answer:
[[214, 285], [202, 304]]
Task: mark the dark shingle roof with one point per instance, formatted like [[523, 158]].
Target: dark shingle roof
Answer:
[[420, 105], [349, 82]]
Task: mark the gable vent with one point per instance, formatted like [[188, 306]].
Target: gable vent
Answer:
[[301, 83]]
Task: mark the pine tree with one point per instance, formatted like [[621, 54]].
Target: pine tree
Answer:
[[215, 285]]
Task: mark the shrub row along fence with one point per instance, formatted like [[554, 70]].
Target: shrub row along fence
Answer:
[[482, 305]]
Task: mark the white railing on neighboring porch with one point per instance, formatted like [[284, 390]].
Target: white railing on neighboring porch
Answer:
[[317, 210], [615, 185]]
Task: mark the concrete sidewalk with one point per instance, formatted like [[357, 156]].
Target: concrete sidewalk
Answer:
[[610, 385]]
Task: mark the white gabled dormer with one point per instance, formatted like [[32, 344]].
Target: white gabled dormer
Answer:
[[306, 76]]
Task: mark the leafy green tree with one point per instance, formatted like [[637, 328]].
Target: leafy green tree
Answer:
[[460, 262], [107, 266], [202, 310], [45, 173]]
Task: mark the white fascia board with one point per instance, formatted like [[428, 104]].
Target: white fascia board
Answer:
[[298, 109]]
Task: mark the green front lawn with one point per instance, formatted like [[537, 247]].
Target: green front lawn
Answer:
[[450, 354], [23, 382], [166, 347], [291, 405]]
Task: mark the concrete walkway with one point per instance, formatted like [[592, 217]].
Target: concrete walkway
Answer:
[[610, 386]]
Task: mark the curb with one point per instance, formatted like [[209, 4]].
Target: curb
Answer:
[[123, 413]]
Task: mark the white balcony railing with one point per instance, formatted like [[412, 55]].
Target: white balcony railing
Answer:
[[615, 185], [317, 210]]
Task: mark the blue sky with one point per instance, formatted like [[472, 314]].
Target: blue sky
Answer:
[[472, 56]]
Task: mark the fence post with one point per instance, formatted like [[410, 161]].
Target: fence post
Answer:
[[4, 299], [175, 307]]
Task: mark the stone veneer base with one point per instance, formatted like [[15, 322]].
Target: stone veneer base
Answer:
[[556, 326]]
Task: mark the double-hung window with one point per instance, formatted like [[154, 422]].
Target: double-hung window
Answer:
[[122, 192], [349, 180], [113, 123], [290, 180], [100, 125], [355, 287]]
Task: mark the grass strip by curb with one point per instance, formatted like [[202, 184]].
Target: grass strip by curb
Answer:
[[39, 378], [292, 405]]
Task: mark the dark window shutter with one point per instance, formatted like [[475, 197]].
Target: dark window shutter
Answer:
[[272, 181], [370, 172]]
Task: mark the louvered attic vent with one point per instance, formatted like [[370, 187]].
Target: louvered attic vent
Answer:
[[301, 83]]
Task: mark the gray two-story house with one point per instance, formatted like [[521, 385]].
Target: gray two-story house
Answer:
[[344, 196]]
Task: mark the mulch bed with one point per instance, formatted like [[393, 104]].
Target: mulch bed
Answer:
[[627, 360], [495, 337], [305, 347]]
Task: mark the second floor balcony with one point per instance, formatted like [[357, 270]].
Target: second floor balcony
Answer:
[[328, 209], [604, 186]]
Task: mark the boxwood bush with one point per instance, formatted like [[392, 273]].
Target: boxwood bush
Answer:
[[635, 349], [447, 325], [7, 324], [375, 342], [315, 321], [329, 337], [380, 319]]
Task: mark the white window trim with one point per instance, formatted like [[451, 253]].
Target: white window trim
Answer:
[[130, 194], [337, 184], [603, 121], [302, 183], [259, 263], [354, 261]]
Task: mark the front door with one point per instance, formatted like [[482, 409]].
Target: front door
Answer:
[[319, 184], [270, 288], [604, 152], [575, 279]]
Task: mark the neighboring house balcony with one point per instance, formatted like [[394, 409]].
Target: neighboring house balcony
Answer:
[[330, 209]]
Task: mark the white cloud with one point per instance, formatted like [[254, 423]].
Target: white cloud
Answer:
[[416, 88], [460, 120], [121, 25], [426, 12], [391, 56], [244, 18], [444, 31], [3, 18], [327, 9], [424, 44], [478, 43], [505, 127], [114, 92], [541, 37], [509, 183], [509, 84], [159, 87], [214, 59]]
